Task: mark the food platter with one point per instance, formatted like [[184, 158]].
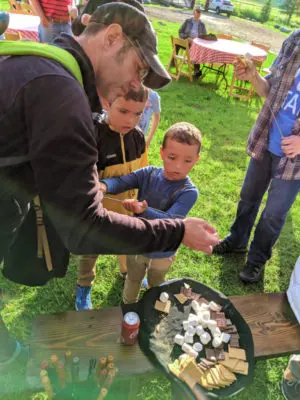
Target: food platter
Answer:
[[158, 329]]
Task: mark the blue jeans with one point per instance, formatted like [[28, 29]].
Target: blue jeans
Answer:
[[281, 196], [47, 35]]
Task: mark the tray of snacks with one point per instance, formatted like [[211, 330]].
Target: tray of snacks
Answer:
[[197, 337]]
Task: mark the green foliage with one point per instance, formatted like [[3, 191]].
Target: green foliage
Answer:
[[247, 13], [289, 7], [265, 11]]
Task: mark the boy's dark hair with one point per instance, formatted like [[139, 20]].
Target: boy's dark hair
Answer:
[[140, 95], [184, 132]]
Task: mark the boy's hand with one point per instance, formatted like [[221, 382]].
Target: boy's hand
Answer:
[[199, 235], [85, 18], [135, 206], [291, 146], [44, 21], [103, 187]]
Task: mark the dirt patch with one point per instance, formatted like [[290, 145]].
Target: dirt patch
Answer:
[[242, 29]]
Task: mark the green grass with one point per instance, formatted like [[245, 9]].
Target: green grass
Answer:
[[225, 124]]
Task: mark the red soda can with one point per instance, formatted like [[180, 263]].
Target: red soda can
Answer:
[[130, 328]]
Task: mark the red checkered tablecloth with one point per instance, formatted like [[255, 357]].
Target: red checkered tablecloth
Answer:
[[222, 51], [26, 25]]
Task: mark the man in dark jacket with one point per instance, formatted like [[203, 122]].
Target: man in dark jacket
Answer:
[[46, 123], [193, 28]]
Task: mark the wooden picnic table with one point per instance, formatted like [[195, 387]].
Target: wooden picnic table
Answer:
[[96, 333]]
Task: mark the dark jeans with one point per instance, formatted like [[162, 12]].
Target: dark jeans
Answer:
[[281, 196]]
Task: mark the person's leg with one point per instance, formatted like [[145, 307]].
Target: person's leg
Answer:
[[157, 270], [47, 35], [8, 344], [86, 276], [123, 265], [281, 197], [291, 379], [255, 184], [13, 209], [136, 268]]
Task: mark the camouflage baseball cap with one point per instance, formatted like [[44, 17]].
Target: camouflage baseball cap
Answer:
[[140, 32]]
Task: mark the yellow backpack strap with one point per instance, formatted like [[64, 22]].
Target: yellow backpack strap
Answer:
[[23, 48], [42, 240]]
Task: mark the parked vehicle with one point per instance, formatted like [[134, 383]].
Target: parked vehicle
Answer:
[[221, 6]]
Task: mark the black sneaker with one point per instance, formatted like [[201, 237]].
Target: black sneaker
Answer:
[[226, 247], [290, 389], [252, 273]]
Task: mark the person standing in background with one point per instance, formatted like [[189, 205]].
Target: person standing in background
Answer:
[[151, 113], [55, 18]]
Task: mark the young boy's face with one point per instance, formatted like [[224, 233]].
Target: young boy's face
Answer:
[[124, 115], [178, 159]]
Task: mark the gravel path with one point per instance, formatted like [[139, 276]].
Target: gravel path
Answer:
[[242, 29]]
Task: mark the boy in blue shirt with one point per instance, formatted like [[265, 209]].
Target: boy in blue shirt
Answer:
[[163, 193]]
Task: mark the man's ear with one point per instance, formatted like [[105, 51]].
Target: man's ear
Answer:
[[105, 103], [113, 36]]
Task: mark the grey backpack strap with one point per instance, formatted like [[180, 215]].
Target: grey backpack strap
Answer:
[[11, 161]]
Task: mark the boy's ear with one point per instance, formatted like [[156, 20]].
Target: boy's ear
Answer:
[[161, 150]]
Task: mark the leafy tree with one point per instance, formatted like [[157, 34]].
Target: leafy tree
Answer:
[[289, 7], [265, 11]]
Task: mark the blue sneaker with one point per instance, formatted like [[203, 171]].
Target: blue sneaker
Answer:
[[145, 283], [83, 298]]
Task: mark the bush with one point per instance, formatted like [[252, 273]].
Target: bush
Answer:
[[247, 13], [265, 11]]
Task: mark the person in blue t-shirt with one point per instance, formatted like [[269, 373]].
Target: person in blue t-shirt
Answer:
[[274, 148], [164, 192], [151, 113]]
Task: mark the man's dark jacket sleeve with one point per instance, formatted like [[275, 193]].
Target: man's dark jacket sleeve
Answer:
[[63, 153]]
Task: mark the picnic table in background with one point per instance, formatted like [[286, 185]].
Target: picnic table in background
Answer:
[[222, 51], [26, 25]]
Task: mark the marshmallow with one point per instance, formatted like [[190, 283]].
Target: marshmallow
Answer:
[[204, 307], [216, 332], [199, 330], [205, 338], [179, 339], [193, 319], [197, 347], [186, 324], [225, 337], [205, 316], [191, 330], [189, 350], [196, 306], [188, 338], [164, 297], [212, 324], [217, 341], [214, 306]]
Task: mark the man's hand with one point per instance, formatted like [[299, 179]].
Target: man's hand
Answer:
[[291, 146], [103, 187], [135, 206], [45, 23], [199, 235], [244, 68]]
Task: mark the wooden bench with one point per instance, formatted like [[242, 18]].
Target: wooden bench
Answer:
[[95, 333]]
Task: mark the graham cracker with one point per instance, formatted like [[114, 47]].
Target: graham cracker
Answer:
[[163, 307], [240, 354], [181, 297]]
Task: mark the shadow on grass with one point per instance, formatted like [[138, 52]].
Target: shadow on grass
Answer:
[[287, 246]]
